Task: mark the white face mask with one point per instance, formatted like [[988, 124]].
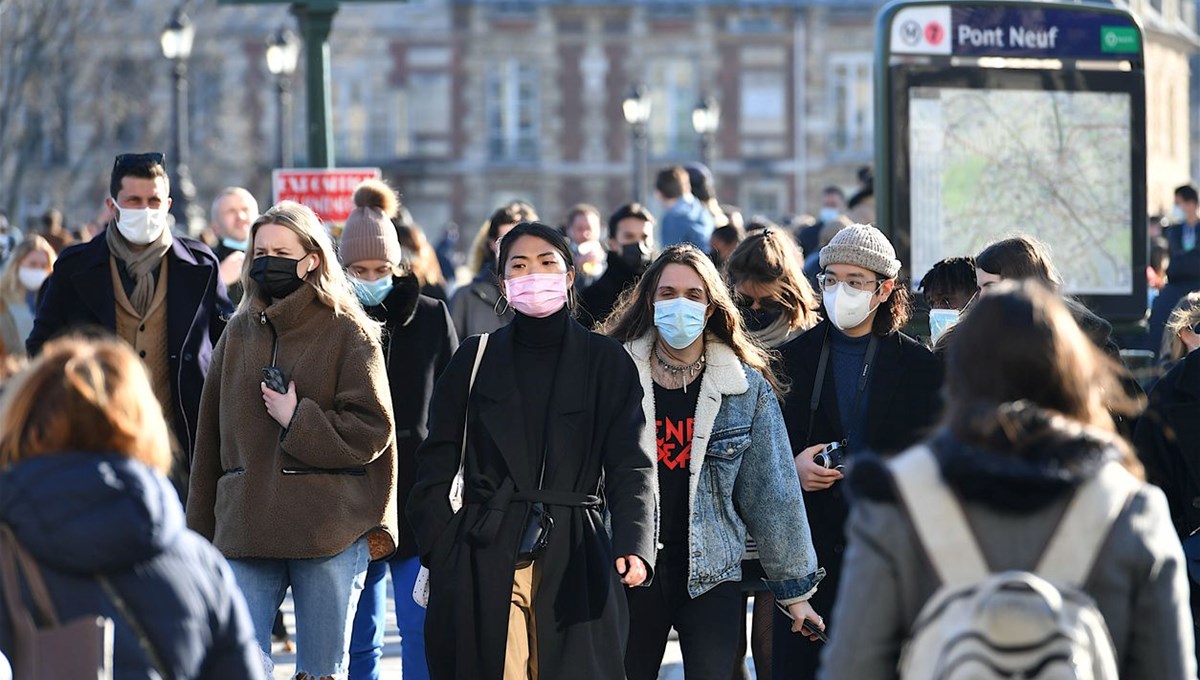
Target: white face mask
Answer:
[[847, 307], [141, 226], [1178, 215], [940, 321], [32, 278]]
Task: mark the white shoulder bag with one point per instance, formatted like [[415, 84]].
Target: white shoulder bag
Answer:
[[420, 591]]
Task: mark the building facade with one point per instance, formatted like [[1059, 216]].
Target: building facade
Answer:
[[466, 104]]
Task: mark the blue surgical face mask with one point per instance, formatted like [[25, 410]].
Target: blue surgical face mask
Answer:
[[679, 321], [940, 320], [828, 215], [372, 293], [234, 244]]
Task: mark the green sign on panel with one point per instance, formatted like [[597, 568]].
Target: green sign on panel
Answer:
[[1119, 39]]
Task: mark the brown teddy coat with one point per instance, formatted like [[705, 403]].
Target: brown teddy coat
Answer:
[[260, 491]]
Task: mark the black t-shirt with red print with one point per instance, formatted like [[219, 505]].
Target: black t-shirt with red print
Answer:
[[674, 418]]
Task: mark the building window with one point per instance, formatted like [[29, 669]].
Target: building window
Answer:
[[763, 114], [424, 117], [673, 94], [851, 106], [512, 111]]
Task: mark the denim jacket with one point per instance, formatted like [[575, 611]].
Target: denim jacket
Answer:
[[741, 477]]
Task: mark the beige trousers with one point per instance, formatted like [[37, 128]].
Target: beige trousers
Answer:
[[520, 656]]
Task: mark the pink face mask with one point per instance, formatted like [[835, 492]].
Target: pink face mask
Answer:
[[537, 295]]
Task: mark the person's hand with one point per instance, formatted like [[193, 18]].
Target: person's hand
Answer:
[[231, 268], [632, 570], [813, 477], [281, 407], [805, 619]]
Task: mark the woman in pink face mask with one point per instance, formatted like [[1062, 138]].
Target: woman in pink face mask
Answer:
[[524, 580]]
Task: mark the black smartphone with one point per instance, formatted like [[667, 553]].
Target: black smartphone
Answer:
[[273, 377], [820, 634]]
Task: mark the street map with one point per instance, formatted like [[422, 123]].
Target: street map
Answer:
[[985, 164]]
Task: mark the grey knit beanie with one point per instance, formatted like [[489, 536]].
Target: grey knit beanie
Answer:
[[864, 246], [369, 233]]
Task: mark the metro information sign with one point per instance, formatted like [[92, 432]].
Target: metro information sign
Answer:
[[1001, 31]]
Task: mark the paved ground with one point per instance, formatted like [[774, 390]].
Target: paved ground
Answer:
[[285, 662]]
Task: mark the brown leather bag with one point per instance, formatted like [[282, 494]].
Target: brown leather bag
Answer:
[[45, 649]]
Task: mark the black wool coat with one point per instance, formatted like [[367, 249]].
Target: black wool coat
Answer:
[[1167, 440], [418, 341], [594, 433], [600, 297], [80, 294], [902, 406]]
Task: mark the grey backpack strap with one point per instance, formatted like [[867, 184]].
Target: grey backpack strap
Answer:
[[938, 518], [1072, 550]]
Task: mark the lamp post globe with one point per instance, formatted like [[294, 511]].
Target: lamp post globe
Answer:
[[636, 107], [283, 54], [176, 41]]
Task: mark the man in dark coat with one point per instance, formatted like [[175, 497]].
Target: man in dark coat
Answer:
[[159, 292], [630, 251], [592, 433], [887, 411]]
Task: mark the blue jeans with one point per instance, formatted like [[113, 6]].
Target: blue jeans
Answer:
[[366, 643], [325, 591]]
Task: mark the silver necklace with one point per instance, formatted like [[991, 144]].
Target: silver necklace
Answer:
[[684, 374]]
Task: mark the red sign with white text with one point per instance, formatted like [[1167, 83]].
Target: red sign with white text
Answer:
[[328, 191]]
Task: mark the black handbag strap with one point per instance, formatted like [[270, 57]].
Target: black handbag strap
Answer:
[[135, 625], [864, 379]]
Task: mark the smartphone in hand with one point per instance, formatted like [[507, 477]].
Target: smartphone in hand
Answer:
[[273, 377]]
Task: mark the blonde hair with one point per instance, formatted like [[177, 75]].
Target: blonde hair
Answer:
[[83, 395], [11, 289], [1185, 315], [329, 279]]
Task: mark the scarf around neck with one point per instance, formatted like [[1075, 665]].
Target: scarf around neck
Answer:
[[141, 266], [777, 334]]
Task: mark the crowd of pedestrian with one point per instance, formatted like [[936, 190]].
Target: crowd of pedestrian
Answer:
[[650, 421]]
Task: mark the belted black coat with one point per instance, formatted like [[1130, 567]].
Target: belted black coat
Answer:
[[595, 422]]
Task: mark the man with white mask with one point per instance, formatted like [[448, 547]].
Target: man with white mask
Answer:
[[159, 292], [859, 383]]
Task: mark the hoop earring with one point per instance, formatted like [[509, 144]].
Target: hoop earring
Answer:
[[496, 307]]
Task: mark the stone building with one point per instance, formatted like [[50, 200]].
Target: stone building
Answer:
[[469, 103]]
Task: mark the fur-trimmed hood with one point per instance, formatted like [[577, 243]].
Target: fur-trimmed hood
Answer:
[[1019, 459]]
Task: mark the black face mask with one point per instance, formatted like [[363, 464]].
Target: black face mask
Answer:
[[276, 275], [759, 319], [637, 256]]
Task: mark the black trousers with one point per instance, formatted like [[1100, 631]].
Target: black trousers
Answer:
[[708, 625]]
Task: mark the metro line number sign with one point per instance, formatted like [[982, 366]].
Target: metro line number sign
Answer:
[[992, 30]]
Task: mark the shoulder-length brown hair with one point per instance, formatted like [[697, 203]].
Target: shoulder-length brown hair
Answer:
[[1020, 257], [1020, 343], [770, 256], [83, 395], [633, 316]]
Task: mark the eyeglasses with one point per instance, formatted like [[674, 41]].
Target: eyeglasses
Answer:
[[828, 281], [127, 160]]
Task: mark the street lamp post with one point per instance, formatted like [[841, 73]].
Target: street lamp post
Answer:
[[636, 108], [283, 52], [177, 39], [706, 117]]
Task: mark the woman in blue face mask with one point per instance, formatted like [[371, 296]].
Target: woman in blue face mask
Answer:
[[724, 467], [418, 341]]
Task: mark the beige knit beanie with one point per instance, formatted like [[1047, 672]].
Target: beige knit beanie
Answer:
[[864, 246], [369, 233]]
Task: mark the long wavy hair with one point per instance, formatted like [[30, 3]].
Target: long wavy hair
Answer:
[[329, 279], [633, 316], [770, 256], [1185, 315]]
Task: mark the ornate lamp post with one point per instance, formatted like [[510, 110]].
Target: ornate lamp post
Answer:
[[706, 117], [636, 108], [283, 53], [177, 37]]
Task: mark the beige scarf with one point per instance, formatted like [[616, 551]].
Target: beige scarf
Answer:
[[141, 266]]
